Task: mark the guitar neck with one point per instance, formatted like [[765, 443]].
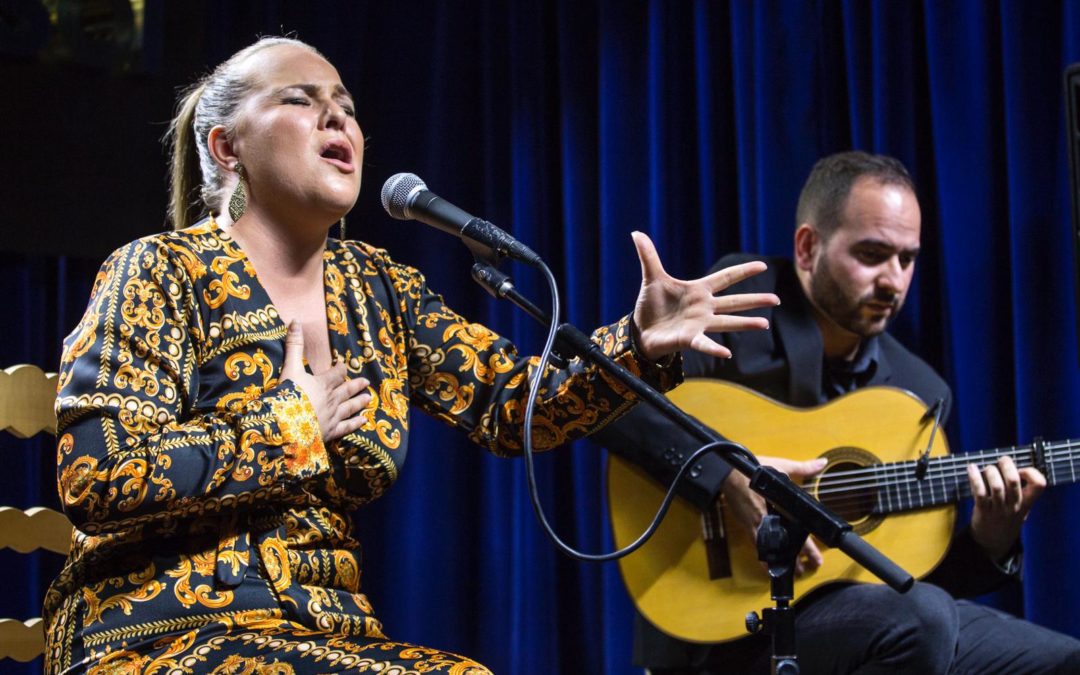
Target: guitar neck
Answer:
[[896, 486]]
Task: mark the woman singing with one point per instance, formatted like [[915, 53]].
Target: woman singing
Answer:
[[238, 386]]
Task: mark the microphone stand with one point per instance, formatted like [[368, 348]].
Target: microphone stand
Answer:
[[793, 512]]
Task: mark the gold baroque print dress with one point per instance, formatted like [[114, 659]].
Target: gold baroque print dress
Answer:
[[214, 530]]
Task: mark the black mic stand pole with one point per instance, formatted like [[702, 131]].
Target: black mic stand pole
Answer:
[[794, 513]]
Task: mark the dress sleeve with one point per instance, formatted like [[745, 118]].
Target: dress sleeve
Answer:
[[646, 437], [134, 445], [467, 375]]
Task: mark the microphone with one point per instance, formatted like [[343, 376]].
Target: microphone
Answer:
[[406, 197]]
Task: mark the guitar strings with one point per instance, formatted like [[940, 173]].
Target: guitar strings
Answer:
[[854, 485], [898, 468], [903, 473], [900, 499]]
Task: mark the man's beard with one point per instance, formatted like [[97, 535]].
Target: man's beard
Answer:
[[847, 312]]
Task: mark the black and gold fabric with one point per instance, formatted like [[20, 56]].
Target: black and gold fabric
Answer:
[[214, 525]]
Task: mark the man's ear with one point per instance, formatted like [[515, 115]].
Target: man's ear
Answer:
[[221, 149], [807, 242]]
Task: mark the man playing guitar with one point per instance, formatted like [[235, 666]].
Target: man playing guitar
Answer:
[[855, 247]]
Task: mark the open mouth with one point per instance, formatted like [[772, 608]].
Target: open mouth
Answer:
[[339, 154]]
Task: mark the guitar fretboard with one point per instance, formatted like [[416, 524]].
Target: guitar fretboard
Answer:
[[896, 486]]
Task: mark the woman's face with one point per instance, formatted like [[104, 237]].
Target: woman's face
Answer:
[[297, 137]]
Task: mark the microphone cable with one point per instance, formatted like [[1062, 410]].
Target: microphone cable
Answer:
[[534, 494], [406, 197]]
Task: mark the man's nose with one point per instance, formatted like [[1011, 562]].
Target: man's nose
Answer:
[[892, 276]]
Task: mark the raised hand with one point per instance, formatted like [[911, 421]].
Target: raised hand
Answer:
[[337, 400], [748, 507], [672, 314], [1003, 496]]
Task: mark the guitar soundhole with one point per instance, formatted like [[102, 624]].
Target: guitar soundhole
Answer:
[[844, 487]]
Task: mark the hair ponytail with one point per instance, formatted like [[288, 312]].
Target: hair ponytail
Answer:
[[196, 183], [185, 177]]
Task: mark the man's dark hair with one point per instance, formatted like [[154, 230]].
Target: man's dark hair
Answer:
[[825, 194]]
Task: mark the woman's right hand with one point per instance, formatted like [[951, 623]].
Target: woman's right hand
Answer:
[[337, 400]]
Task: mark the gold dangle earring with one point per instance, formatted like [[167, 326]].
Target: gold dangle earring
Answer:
[[238, 201], [341, 229]]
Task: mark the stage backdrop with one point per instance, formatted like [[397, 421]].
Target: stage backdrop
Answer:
[[572, 123]]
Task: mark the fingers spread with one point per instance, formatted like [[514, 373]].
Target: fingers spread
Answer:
[[726, 323], [651, 267], [729, 304], [706, 345], [729, 276]]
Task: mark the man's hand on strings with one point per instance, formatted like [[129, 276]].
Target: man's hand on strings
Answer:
[[672, 314], [1003, 496], [748, 508]]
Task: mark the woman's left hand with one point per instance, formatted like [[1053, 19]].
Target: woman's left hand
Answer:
[[672, 314]]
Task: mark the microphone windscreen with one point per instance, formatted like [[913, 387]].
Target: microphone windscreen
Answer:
[[396, 192]]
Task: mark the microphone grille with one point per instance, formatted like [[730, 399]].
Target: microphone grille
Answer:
[[396, 192]]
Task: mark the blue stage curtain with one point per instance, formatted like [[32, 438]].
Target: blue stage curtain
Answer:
[[573, 123]]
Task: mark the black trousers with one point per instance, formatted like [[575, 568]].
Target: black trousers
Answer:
[[869, 629]]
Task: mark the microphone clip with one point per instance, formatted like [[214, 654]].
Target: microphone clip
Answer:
[[501, 287]]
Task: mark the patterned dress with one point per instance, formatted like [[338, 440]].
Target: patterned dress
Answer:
[[214, 531]]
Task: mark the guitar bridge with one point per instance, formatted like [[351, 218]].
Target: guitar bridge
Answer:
[[715, 537]]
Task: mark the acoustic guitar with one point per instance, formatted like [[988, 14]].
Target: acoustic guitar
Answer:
[[699, 575]]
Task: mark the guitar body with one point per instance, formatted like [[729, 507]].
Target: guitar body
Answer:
[[669, 578]]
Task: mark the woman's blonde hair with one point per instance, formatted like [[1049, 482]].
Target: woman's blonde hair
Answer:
[[213, 100]]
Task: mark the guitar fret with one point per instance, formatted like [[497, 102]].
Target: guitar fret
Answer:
[[882, 484], [930, 485], [888, 493], [880, 505]]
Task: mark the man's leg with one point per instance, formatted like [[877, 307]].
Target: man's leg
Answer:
[[993, 642], [869, 629], [864, 629]]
